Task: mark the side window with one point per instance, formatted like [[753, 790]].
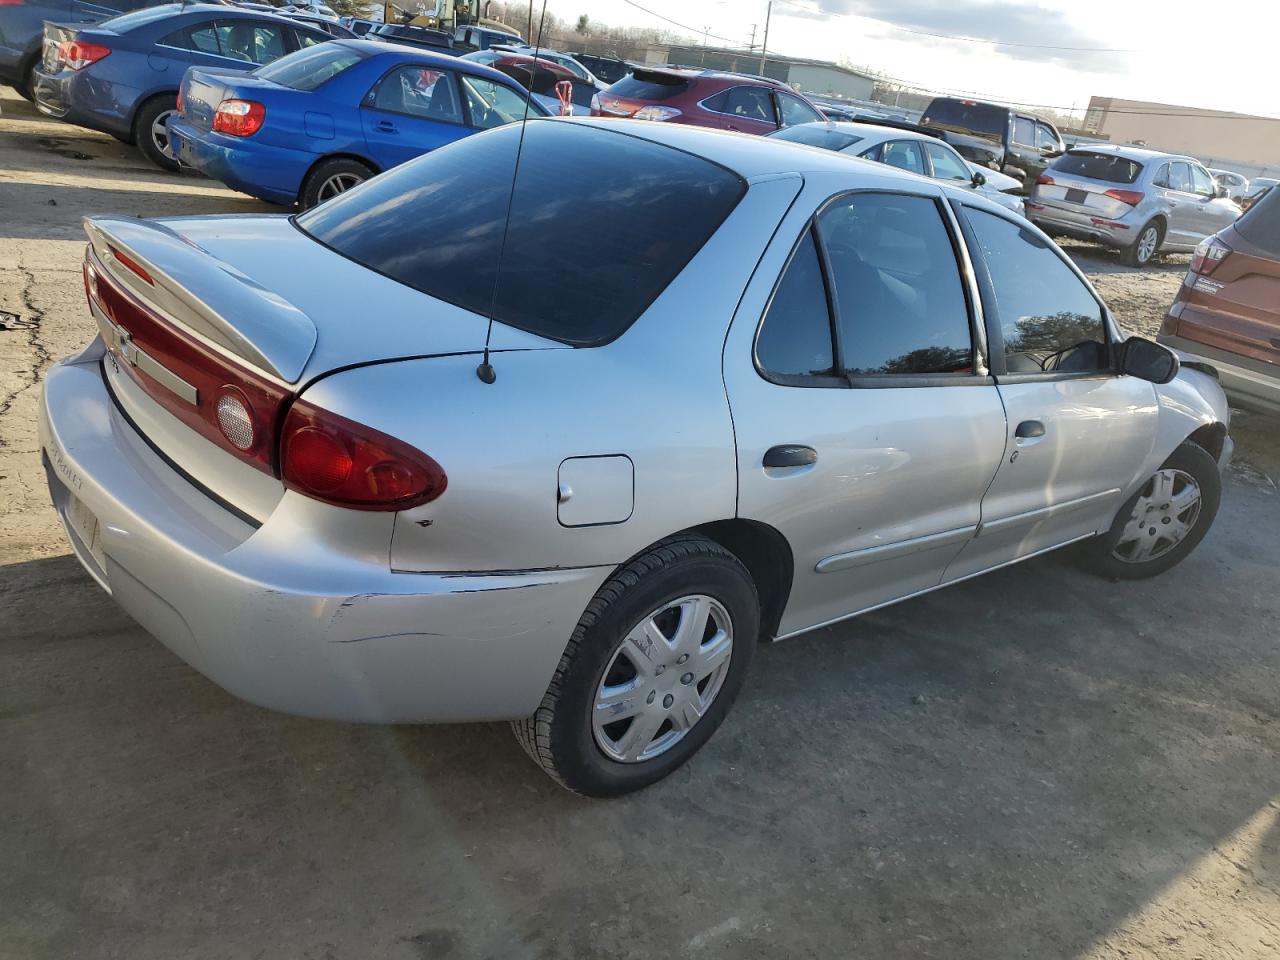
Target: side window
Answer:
[[1045, 137], [1161, 179], [793, 110], [899, 301], [1024, 131], [1049, 320], [491, 104], [1201, 182], [306, 39], [946, 164], [1180, 177], [795, 338], [419, 92], [202, 38], [875, 153], [750, 103], [904, 154], [253, 42]]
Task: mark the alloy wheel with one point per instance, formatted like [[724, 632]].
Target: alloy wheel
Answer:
[[338, 183], [1165, 513], [1147, 244], [160, 134], [662, 679]]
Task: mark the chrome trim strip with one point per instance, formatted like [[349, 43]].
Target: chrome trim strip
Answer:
[[890, 551], [1044, 513], [938, 586], [120, 343]]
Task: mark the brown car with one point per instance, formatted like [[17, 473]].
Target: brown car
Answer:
[[1228, 309]]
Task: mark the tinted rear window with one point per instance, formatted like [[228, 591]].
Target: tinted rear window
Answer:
[[1260, 224], [818, 135], [647, 85], [308, 69], [600, 224], [1098, 166], [975, 117]]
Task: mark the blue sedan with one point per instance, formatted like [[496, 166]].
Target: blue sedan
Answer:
[[318, 122], [121, 76]]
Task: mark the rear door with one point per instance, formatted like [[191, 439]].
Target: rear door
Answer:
[[747, 109], [1182, 204], [1212, 212], [866, 428], [1022, 154], [1077, 433], [412, 110]]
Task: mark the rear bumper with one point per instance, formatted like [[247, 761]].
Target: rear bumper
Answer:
[[1248, 383], [270, 173], [84, 100], [1111, 233], [302, 614]]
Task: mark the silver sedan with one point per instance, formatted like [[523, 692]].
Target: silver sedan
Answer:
[[405, 459]]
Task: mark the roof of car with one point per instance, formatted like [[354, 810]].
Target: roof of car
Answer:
[[869, 130], [1141, 154]]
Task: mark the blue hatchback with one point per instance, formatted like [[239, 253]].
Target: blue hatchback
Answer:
[[121, 76], [320, 121]]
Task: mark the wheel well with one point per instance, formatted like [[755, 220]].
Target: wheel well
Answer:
[[335, 156], [1211, 437], [137, 107], [767, 556]]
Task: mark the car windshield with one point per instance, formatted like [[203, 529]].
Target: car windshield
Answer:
[[600, 223], [650, 85], [308, 69], [818, 135], [1260, 224], [1098, 166], [967, 115]]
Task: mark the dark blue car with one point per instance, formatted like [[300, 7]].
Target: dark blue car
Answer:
[[318, 122], [122, 76]]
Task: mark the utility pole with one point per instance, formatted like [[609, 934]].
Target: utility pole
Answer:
[[752, 45], [529, 34], [764, 46]]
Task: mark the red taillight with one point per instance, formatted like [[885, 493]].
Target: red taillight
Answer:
[[239, 118], [1131, 197], [1209, 254], [77, 54], [234, 407], [132, 265], [12, 3], [1044, 180], [339, 461]]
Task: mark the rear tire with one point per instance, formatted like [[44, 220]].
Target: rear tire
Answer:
[[149, 133], [1164, 521], [328, 178], [1145, 246], [620, 715]]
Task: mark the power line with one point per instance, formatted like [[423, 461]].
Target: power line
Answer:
[[953, 36], [676, 23]]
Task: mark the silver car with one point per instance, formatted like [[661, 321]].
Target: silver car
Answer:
[[1140, 202], [1236, 185], [907, 150], [403, 458]]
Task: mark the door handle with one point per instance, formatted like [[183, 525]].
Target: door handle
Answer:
[[385, 126], [790, 455], [1029, 430]]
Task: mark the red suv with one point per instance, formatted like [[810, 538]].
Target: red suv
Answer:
[[706, 98]]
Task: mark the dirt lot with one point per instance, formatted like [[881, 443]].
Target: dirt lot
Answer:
[[1034, 764]]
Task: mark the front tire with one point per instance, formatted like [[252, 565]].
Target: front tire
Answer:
[[328, 178], [1164, 521], [150, 133], [650, 671], [1146, 245]]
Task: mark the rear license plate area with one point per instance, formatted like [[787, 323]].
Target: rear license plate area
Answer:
[[84, 524], [1077, 196]]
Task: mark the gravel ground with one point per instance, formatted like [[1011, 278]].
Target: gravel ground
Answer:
[[1033, 764]]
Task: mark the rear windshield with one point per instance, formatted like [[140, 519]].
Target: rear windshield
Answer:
[[1260, 224], [818, 135], [649, 85], [308, 69], [138, 18], [1098, 166], [600, 224], [981, 118]]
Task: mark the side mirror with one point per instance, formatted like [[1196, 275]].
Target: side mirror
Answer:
[[1148, 361], [978, 178], [1219, 190]]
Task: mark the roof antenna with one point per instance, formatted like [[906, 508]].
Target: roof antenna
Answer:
[[485, 370]]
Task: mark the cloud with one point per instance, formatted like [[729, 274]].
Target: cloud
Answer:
[[1000, 21]]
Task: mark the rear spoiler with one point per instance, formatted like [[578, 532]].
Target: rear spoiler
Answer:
[[899, 125], [195, 290]]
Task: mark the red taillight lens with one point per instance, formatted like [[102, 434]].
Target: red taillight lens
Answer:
[[1131, 197], [12, 3], [1044, 180], [133, 266], [77, 55], [239, 118], [1209, 254], [339, 461]]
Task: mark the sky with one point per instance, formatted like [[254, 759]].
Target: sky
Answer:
[[1219, 55]]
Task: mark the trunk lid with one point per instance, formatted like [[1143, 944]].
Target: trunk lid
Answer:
[[1069, 186], [197, 308], [203, 89]]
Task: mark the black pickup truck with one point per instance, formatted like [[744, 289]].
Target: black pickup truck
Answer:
[[1015, 142]]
